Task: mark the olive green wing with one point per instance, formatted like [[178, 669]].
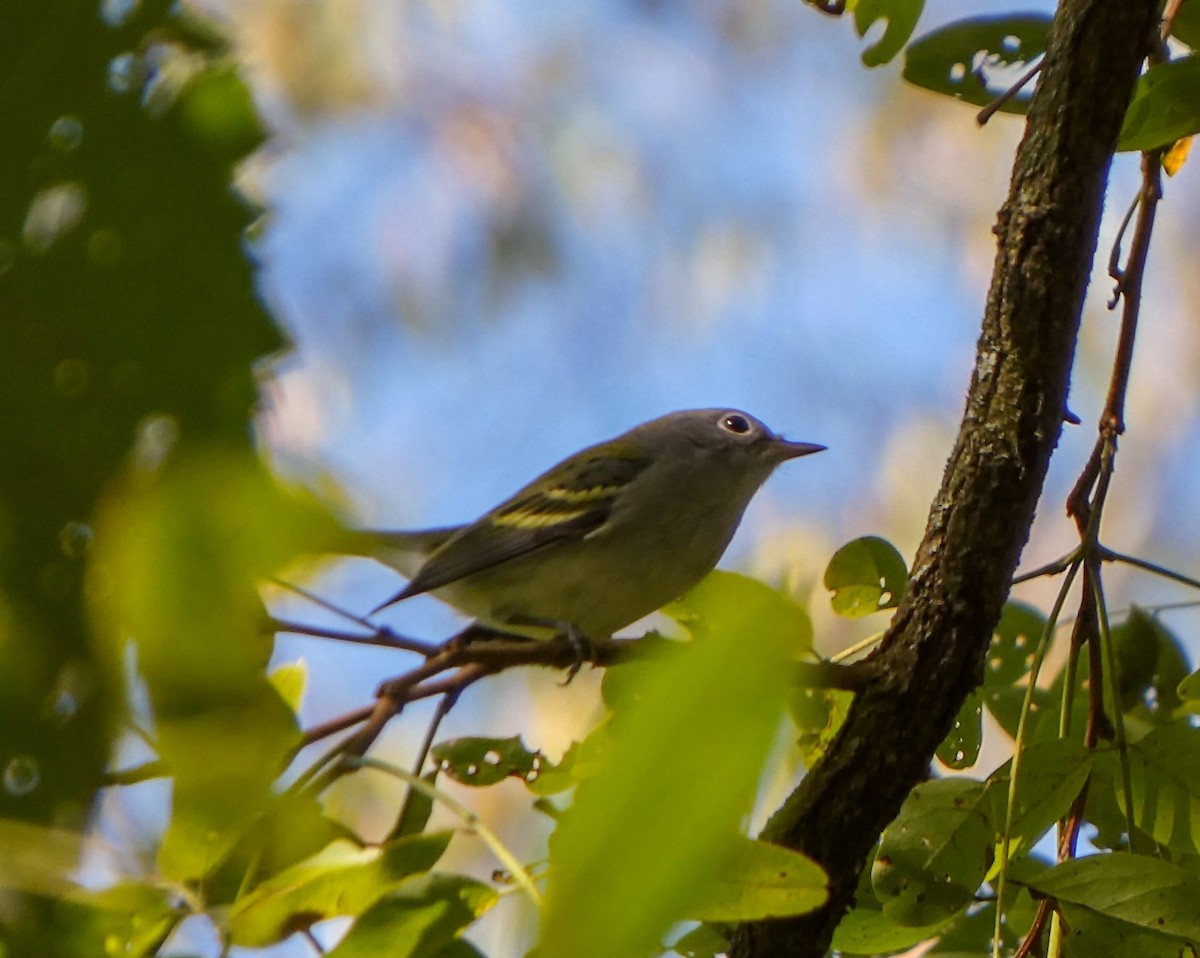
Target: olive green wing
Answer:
[[570, 501]]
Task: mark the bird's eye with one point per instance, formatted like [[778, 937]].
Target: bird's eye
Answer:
[[736, 423]]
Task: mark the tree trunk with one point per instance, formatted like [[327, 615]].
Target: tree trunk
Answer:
[[933, 654]]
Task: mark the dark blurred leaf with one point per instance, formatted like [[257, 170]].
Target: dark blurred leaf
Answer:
[[420, 918], [865, 576], [127, 302], [1187, 24], [900, 17], [342, 879], [1150, 665], [1165, 105], [977, 59], [486, 761]]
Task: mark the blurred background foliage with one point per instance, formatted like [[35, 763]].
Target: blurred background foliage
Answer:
[[493, 233]]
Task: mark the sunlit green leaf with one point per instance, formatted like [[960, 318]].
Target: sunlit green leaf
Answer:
[[960, 749], [760, 880], [180, 552], [934, 856], [290, 680], [1164, 769], [900, 17], [650, 831], [868, 931], [818, 714], [865, 576], [1051, 776], [1165, 105], [343, 879], [978, 59], [419, 918], [1138, 889]]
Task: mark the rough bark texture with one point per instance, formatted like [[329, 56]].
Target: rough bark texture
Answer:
[[934, 651]]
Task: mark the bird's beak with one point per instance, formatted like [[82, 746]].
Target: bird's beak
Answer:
[[794, 450]]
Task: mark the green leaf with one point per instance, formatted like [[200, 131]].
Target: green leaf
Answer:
[[290, 680], [1005, 704], [38, 859], [1164, 769], [935, 855], [1052, 775], [760, 880], [1138, 889], [818, 714], [865, 576], [1165, 105], [486, 761], [415, 812], [1151, 663], [342, 879], [652, 829], [552, 778], [1187, 25], [419, 918], [1188, 689], [182, 550], [964, 59], [706, 940], [901, 17], [869, 931], [1089, 934], [1014, 644], [960, 749]]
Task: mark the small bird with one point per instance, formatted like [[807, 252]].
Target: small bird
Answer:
[[604, 538]]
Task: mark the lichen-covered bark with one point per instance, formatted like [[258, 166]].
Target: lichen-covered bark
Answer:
[[934, 651]]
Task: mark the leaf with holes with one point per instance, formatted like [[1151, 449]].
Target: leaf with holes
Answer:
[[865, 576], [978, 59], [1138, 889], [935, 855], [486, 761], [960, 748], [1014, 642]]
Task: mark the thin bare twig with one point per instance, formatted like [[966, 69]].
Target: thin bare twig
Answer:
[[990, 110]]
